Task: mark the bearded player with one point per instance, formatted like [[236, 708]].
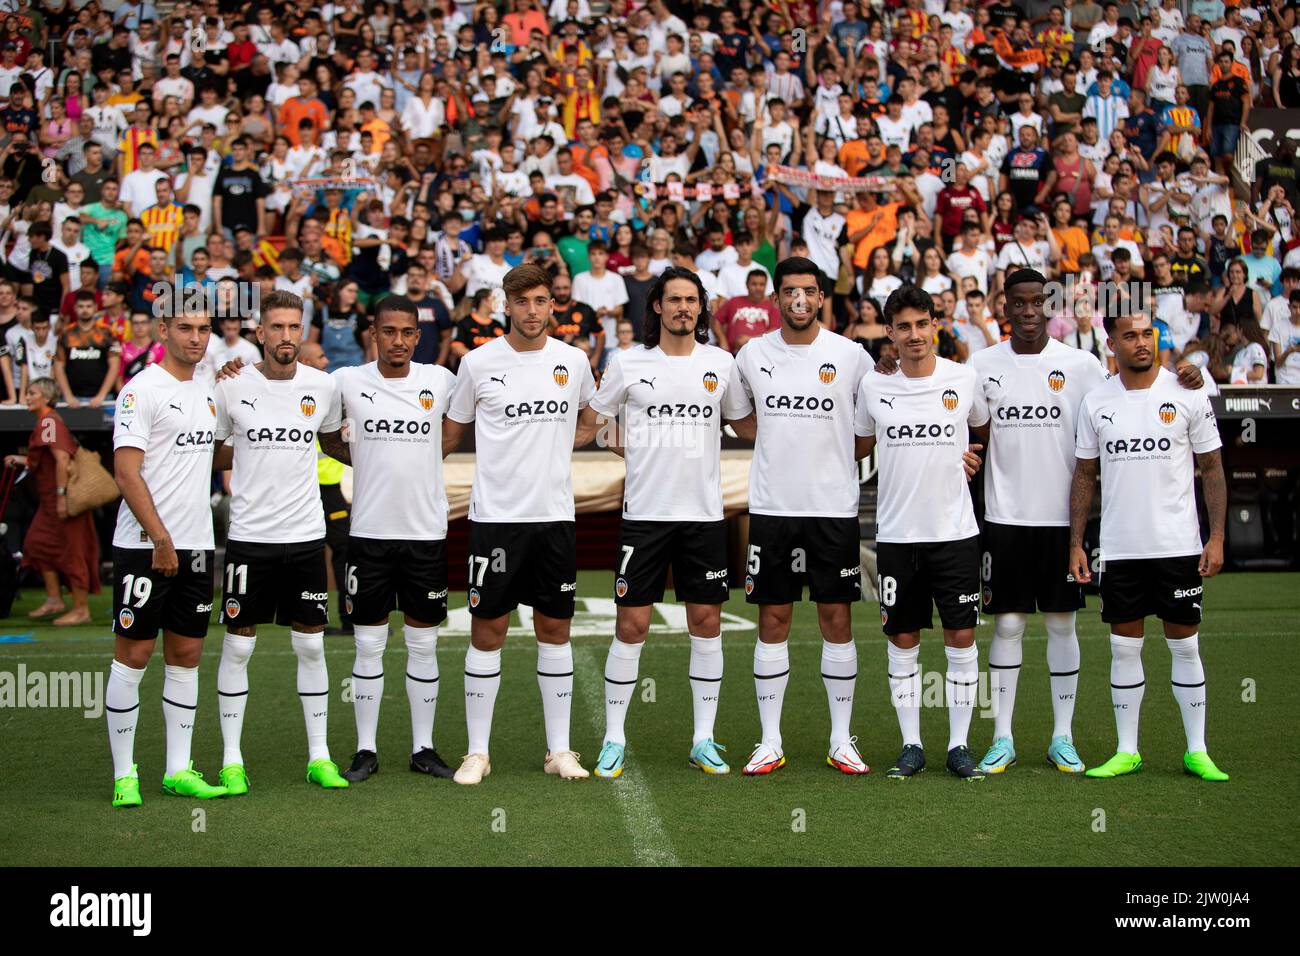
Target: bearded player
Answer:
[[528, 397], [1148, 436], [670, 397], [1034, 386], [267, 418], [803, 506]]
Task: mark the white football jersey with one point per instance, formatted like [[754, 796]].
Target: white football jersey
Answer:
[[922, 430], [1146, 440], [394, 428], [671, 410], [272, 426], [173, 423], [524, 406], [803, 398], [1033, 403]]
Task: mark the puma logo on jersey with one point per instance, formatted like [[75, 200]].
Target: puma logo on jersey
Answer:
[[252, 404], [370, 397], [1108, 418], [887, 401], [767, 370], [177, 407], [650, 382], [501, 379], [997, 381]]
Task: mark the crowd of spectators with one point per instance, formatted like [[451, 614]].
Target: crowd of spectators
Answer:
[[343, 150]]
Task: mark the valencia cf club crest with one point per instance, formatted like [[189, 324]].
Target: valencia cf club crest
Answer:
[[1056, 380], [232, 608], [212, 407], [749, 584], [884, 617], [347, 604], [826, 373], [620, 587], [426, 399], [308, 405], [988, 596], [710, 382], [561, 374], [950, 399], [126, 618], [1168, 413], [473, 597]]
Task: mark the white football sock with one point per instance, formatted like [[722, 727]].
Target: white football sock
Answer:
[[706, 684], [180, 703], [232, 692], [905, 690], [122, 704], [368, 681], [1127, 684], [620, 685], [482, 681], [421, 683], [1063, 666], [962, 687], [1006, 653], [840, 676], [771, 674], [555, 680], [313, 691], [1188, 677]]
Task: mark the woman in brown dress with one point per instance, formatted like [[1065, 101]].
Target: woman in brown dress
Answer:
[[64, 550]]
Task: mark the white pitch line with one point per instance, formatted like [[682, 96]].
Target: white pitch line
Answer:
[[650, 842]]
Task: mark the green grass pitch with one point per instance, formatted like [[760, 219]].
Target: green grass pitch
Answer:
[[661, 812]]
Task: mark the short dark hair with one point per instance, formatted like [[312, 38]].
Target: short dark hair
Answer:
[[525, 276], [907, 296], [395, 303], [796, 266], [280, 299]]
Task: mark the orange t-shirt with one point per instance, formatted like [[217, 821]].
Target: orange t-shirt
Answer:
[[853, 157], [141, 262], [294, 111], [885, 230]]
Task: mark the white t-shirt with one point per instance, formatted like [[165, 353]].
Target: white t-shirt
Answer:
[[1285, 335], [1245, 360], [394, 433], [272, 427], [976, 264], [671, 410], [803, 398], [1033, 403], [482, 273], [895, 132], [572, 190], [179, 87], [38, 358], [172, 423], [214, 114], [733, 279], [822, 234], [1182, 324], [712, 261], [922, 429], [1016, 255], [609, 291], [1146, 440], [525, 407], [139, 190], [220, 352]]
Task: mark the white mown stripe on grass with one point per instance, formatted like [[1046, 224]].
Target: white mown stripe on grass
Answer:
[[650, 842]]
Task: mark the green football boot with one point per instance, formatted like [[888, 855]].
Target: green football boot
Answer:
[[126, 790], [325, 773], [1119, 765], [1200, 765], [235, 779], [190, 783]]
